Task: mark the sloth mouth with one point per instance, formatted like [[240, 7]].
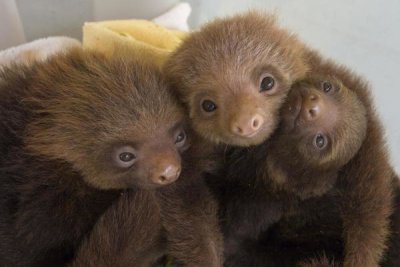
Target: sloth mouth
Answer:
[[245, 136], [252, 139]]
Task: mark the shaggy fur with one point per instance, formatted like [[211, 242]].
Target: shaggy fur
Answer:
[[179, 220], [283, 205], [225, 62], [60, 124]]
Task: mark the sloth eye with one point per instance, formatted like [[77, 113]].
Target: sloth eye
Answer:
[[180, 138], [208, 106], [326, 86], [267, 83], [320, 141], [126, 156]]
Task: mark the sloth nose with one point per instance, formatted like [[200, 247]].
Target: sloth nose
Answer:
[[312, 107], [247, 126], [166, 174]]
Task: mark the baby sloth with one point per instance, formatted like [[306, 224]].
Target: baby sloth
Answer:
[[318, 192], [234, 74], [76, 133]]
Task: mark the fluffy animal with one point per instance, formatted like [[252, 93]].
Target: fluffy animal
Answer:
[[233, 76], [319, 191], [84, 135]]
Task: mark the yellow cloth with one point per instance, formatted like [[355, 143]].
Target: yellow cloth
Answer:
[[139, 36]]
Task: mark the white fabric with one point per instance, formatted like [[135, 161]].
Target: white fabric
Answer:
[[36, 50], [176, 18]]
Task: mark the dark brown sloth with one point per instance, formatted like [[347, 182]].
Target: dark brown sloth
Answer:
[[319, 191], [234, 74], [76, 133]]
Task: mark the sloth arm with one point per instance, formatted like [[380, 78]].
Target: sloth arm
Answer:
[[189, 217], [366, 208]]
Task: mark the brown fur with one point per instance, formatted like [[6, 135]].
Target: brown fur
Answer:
[[271, 191], [62, 124], [179, 220], [295, 204], [392, 256], [224, 62], [80, 114]]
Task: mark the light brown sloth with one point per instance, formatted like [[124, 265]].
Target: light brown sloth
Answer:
[[233, 76]]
